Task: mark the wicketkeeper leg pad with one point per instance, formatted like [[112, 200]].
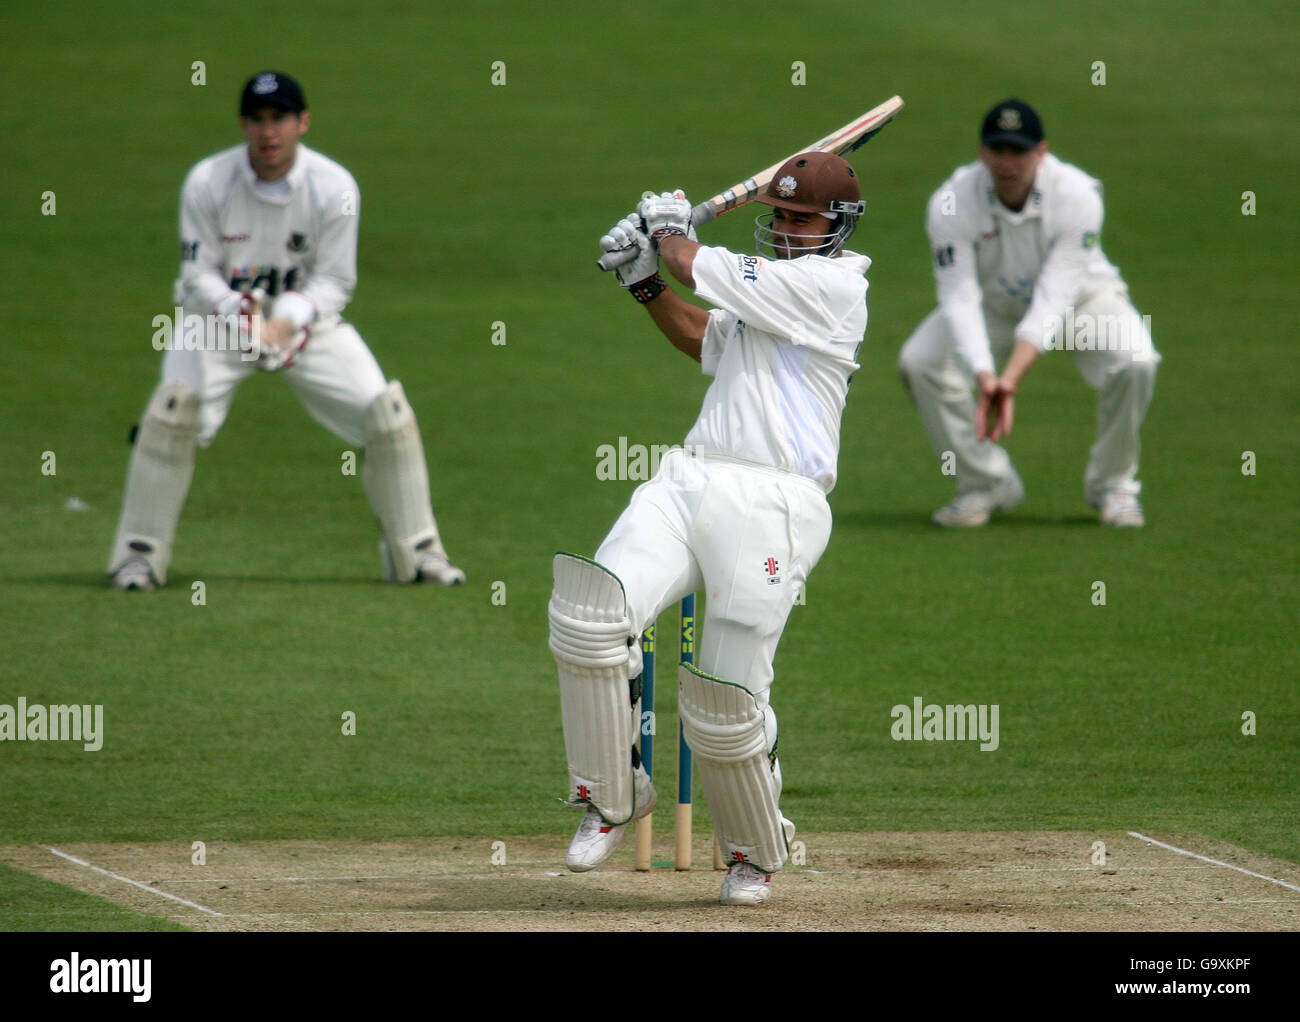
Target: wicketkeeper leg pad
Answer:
[[158, 479], [726, 730], [590, 632], [396, 481]]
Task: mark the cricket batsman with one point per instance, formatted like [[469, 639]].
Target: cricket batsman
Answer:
[[740, 512], [268, 254], [1018, 266]]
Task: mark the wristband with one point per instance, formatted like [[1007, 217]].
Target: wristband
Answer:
[[665, 232], [647, 290]]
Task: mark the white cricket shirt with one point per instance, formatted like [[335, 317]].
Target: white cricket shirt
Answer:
[[298, 239], [1021, 267], [781, 346]]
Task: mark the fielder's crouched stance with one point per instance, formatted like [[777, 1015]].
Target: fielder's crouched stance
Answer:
[[741, 512], [268, 248], [1019, 269]]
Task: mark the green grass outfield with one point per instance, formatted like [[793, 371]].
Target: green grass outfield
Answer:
[[482, 204]]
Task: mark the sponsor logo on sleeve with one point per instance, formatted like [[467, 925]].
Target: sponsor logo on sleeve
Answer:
[[1091, 239], [748, 266]]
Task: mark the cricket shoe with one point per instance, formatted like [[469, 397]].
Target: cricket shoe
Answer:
[[972, 509], [430, 569], [134, 574], [745, 884], [1122, 510], [437, 570], [596, 839]]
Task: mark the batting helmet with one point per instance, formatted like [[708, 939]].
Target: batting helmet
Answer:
[[812, 183]]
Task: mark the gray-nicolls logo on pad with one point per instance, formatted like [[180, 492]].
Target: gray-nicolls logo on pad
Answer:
[[72, 975]]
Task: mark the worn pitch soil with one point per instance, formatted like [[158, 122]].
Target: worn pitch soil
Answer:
[[1023, 880]]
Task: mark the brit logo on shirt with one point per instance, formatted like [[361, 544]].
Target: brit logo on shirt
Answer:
[[773, 570]]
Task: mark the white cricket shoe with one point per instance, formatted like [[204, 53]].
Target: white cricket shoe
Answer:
[[1122, 510], [437, 570], [972, 509], [135, 574], [745, 884], [597, 840], [431, 569]]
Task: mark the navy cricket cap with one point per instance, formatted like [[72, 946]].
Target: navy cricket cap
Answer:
[[271, 88], [1012, 122]]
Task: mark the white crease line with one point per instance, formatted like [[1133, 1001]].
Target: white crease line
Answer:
[[420, 912], [332, 879], [1035, 869], [809, 871], [551, 911], [137, 883], [1180, 901], [1205, 858]]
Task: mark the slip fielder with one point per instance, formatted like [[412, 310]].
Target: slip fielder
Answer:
[[1016, 243], [740, 511], [269, 244]]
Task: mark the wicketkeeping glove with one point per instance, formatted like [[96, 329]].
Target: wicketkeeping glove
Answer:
[[272, 358], [665, 215]]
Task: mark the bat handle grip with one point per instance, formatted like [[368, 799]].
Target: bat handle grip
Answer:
[[700, 215], [613, 260]]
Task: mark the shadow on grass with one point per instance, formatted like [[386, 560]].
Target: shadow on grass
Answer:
[[179, 582], [918, 521]]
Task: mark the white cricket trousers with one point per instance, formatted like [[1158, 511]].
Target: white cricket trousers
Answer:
[[748, 536], [1123, 376], [335, 377]]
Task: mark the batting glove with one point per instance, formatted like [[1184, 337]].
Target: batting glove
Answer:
[[665, 215], [627, 236]]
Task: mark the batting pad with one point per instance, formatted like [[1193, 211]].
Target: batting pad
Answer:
[[396, 481], [158, 479], [589, 637], [726, 730]]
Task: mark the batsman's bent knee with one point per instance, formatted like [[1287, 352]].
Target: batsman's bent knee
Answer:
[[589, 636], [735, 750]]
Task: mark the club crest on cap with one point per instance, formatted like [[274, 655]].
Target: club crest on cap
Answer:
[[786, 187], [265, 83], [1009, 119]]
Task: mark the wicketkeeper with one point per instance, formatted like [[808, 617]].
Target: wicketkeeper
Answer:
[[268, 255], [740, 512]]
